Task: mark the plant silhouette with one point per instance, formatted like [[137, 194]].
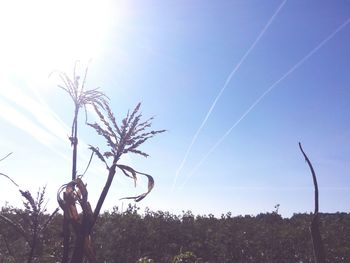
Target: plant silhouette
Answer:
[[121, 139]]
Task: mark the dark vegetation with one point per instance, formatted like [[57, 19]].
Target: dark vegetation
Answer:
[[128, 236]]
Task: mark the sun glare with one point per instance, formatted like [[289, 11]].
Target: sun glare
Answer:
[[39, 36]]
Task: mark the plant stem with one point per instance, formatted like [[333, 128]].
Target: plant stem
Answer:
[[317, 243], [66, 235], [74, 139], [104, 192]]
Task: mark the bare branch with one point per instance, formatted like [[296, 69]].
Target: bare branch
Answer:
[[317, 243], [313, 177]]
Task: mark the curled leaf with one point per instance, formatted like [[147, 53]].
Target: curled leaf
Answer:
[[150, 187], [125, 168]]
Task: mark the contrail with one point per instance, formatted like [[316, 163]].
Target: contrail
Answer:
[[285, 75], [223, 88]]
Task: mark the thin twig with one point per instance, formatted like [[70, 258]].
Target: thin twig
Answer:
[[8, 177], [5, 157]]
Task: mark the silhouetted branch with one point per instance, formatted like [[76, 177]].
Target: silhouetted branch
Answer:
[[317, 243]]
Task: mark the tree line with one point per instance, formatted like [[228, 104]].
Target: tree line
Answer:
[[131, 236]]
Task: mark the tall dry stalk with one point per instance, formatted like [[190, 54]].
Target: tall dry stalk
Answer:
[[81, 98], [318, 248], [124, 139]]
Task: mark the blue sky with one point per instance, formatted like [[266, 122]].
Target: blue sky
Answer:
[[175, 57]]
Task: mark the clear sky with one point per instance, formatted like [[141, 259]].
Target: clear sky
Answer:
[[237, 84]]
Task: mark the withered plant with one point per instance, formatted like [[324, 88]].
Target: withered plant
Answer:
[[121, 139], [81, 98], [318, 247], [33, 220]]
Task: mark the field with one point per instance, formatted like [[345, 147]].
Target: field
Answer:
[[129, 236]]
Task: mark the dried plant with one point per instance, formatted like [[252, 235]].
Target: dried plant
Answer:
[[33, 220], [317, 243], [35, 209], [75, 193], [122, 139], [81, 98]]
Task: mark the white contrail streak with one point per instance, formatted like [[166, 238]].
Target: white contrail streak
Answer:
[[285, 75], [223, 88]]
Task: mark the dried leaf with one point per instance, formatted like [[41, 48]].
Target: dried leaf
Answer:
[[125, 168], [150, 187], [99, 155]]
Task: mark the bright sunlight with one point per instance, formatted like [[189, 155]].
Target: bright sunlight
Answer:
[[38, 37], [41, 35]]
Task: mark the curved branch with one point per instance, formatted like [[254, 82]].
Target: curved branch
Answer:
[[317, 243], [313, 177]]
